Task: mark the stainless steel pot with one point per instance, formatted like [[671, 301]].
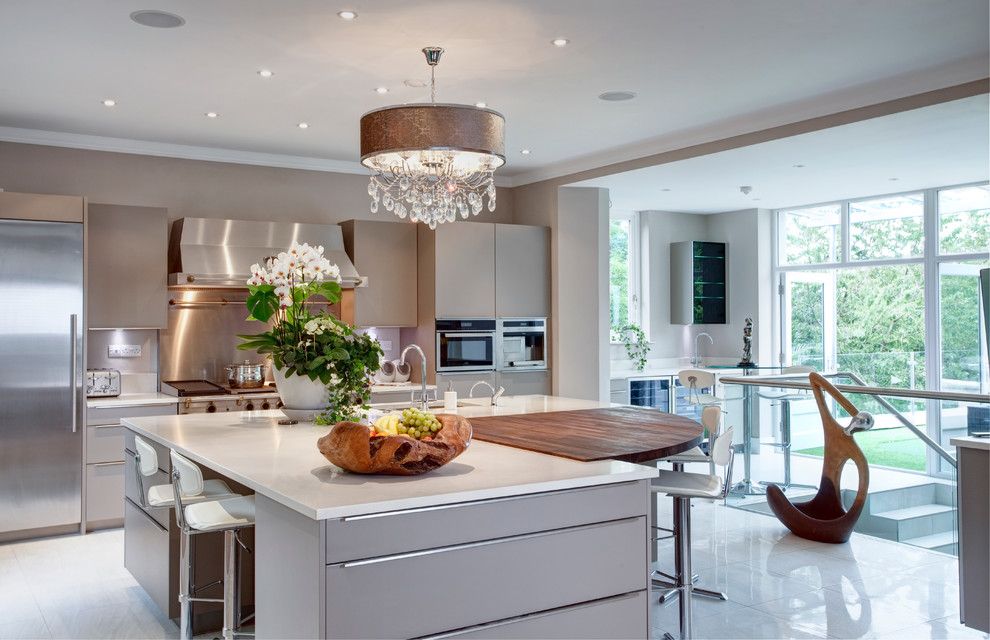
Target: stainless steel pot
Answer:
[[246, 375]]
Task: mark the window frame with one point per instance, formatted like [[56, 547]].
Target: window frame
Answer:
[[635, 288], [931, 260]]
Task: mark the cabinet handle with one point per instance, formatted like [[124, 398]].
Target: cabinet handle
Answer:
[[107, 464], [104, 426], [475, 545], [472, 503], [528, 616]]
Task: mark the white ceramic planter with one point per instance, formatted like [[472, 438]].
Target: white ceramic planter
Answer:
[[299, 392]]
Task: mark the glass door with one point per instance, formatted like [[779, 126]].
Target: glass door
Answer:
[[808, 319]]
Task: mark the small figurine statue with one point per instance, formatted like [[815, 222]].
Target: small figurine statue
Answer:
[[747, 357]]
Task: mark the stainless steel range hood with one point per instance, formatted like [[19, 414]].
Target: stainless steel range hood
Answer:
[[216, 253]]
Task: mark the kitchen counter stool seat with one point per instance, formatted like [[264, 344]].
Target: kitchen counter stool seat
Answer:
[[229, 515], [162, 495], [217, 515]]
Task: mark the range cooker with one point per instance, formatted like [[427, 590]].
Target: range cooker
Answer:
[[202, 396]]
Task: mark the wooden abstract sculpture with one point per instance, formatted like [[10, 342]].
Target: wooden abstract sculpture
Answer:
[[349, 445], [823, 518]]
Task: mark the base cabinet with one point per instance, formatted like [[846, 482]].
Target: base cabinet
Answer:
[[525, 383], [500, 568]]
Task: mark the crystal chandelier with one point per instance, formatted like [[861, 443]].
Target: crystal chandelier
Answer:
[[432, 162]]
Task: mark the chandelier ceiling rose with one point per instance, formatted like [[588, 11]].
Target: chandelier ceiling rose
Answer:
[[434, 161]]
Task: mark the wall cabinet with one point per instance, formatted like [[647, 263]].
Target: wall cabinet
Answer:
[[126, 256], [385, 253], [698, 283], [464, 255], [522, 271]]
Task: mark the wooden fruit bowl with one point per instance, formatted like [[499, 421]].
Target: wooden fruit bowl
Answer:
[[349, 445]]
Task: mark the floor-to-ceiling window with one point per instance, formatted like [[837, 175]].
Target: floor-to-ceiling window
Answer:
[[888, 288]]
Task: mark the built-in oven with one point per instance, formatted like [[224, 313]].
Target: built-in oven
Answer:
[[466, 345], [522, 343]]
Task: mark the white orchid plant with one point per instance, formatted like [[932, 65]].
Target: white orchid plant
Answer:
[[318, 346]]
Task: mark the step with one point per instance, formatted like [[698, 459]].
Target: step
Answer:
[[918, 511], [944, 542]]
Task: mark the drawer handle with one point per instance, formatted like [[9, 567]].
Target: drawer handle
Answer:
[[475, 545], [107, 464], [530, 616], [472, 503], [104, 426]]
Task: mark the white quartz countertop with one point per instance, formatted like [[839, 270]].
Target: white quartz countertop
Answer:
[[283, 463], [970, 442]]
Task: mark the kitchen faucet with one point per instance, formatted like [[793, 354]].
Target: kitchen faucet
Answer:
[[496, 394], [424, 399], [696, 360]]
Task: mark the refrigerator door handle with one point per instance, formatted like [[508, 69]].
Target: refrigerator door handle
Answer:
[[73, 367]]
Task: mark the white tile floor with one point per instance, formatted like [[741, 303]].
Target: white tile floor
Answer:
[[779, 586]]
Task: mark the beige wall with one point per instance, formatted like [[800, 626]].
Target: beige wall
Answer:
[[196, 188]]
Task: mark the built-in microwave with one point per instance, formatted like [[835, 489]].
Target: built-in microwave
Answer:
[[522, 343], [466, 345]]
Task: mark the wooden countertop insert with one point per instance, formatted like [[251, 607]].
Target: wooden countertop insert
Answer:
[[631, 434]]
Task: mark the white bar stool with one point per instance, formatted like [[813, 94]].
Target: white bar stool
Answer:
[[162, 496], [711, 418], [682, 487], [229, 515]]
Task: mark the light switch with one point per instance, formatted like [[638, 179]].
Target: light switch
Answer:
[[124, 351]]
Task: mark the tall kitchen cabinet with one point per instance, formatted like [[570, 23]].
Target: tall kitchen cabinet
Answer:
[[384, 253], [127, 249], [464, 256], [522, 271]]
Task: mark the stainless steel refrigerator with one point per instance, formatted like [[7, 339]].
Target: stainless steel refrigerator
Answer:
[[41, 393]]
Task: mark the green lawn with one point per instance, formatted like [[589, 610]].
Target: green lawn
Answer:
[[898, 448]]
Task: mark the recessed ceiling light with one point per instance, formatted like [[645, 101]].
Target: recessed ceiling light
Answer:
[[109, 102], [211, 114], [560, 42], [481, 105], [525, 152], [381, 90], [266, 73], [157, 19], [346, 15], [617, 96], [799, 166], [665, 189], [893, 179], [413, 82], [303, 125]]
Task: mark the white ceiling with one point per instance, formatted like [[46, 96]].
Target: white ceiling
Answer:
[[935, 146], [695, 65]]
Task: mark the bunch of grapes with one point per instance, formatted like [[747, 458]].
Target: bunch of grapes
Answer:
[[419, 424]]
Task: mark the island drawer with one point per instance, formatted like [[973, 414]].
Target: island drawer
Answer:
[[423, 528], [104, 443], [112, 415], [454, 587], [618, 617]]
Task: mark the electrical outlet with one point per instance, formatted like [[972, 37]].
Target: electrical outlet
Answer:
[[124, 351], [386, 345]]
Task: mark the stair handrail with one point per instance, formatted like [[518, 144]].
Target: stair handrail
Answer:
[[785, 381]]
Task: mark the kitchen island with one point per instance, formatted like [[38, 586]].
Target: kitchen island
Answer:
[[501, 542]]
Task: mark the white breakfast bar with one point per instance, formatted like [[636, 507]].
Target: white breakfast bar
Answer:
[[500, 543]]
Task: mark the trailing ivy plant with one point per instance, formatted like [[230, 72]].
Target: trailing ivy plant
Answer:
[[634, 340]]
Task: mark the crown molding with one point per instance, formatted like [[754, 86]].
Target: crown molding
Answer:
[[169, 150], [186, 152]]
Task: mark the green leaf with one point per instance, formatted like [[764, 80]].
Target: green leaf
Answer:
[[339, 354], [317, 362]]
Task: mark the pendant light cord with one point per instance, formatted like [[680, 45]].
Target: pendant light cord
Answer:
[[433, 84]]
